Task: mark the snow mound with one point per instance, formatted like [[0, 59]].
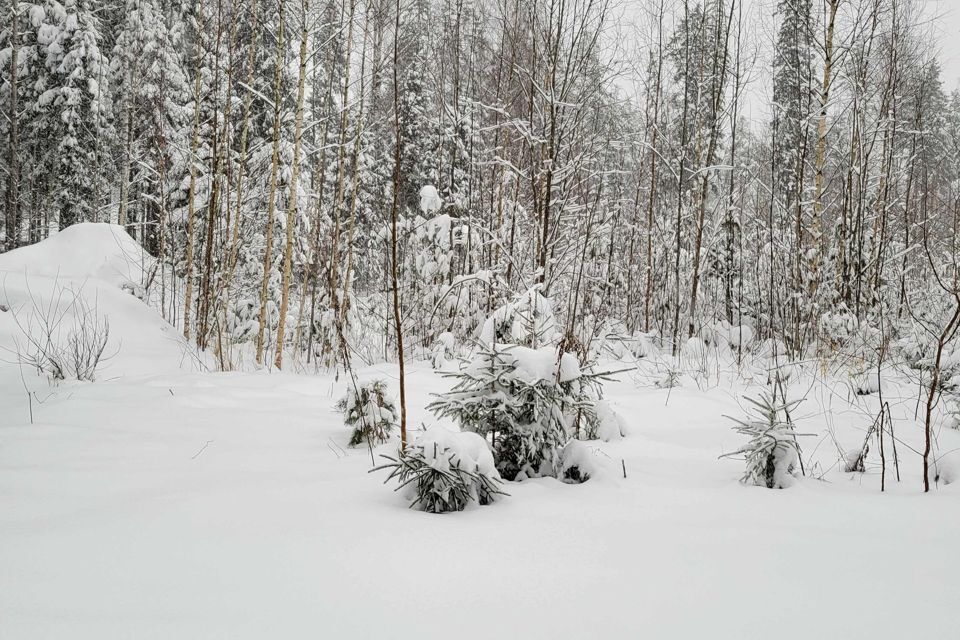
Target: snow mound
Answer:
[[583, 461], [88, 251], [611, 426], [81, 277]]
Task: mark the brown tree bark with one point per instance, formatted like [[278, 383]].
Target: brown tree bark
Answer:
[[394, 206]]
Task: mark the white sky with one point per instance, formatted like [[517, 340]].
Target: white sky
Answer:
[[634, 36], [945, 21]]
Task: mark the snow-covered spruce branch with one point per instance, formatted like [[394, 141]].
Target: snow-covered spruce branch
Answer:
[[772, 453]]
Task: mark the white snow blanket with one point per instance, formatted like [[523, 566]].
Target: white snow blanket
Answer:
[[163, 502]]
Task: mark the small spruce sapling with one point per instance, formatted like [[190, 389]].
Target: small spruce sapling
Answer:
[[528, 402], [369, 411], [772, 454], [445, 471]]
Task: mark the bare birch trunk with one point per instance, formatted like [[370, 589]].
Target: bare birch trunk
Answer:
[[294, 178], [272, 194], [191, 192], [816, 231]]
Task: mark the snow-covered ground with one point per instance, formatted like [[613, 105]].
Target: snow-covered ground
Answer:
[[162, 501]]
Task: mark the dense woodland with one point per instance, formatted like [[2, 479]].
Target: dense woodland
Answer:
[[319, 177]]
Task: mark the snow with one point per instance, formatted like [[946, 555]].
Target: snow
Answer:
[[100, 264], [83, 251], [430, 199], [611, 425], [589, 460], [535, 365], [443, 448], [740, 336], [163, 501], [443, 349], [528, 318]]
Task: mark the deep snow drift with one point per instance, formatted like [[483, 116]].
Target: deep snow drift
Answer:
[[161, 501]]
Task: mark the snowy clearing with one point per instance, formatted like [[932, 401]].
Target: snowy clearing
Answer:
[[161, 501]]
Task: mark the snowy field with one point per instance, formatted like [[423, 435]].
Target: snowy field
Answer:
[[163, 501]]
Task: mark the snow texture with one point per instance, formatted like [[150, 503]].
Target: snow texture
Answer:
[[444, 448], [163, 501]]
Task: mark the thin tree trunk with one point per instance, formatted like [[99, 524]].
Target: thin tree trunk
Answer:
[[191, 192], [272, 194], [817, 235], [398, 326], [233, 252], [213, 202], [652, 196], [333, 282], [344, 302], [944, 337], [680, 180], [127, 161], [294, 177], [13, 187], [718, 75]]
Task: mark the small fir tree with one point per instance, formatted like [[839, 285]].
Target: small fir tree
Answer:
[[369, 411], [528, 402], [445, 471], [772, 454]]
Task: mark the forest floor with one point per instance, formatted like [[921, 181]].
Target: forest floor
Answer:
[[165, 502]]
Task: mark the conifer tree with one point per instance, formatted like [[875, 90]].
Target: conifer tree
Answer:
[[80, 102]]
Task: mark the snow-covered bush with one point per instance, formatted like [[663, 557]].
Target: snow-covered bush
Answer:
[[64, 339], [864, 381], [528, 321], [912, 346], [669, 379], [695, 357], [842, 332], [369, 411], [582, 461], [241, 319], [448, 302], [607, 426], [771, 349], [528, 402], [612, 339], [723, 334], [951, 413], [772, 453], [918, 349], [947, 469], [445, 471], [430, 200], [443, 350]]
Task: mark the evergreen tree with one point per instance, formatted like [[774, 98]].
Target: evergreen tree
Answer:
[[418, 123], [792, 98], [152, 91], [81, 102]]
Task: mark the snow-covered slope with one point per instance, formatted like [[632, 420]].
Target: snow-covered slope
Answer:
[[160, 502], [83, 251], [99, 266]]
